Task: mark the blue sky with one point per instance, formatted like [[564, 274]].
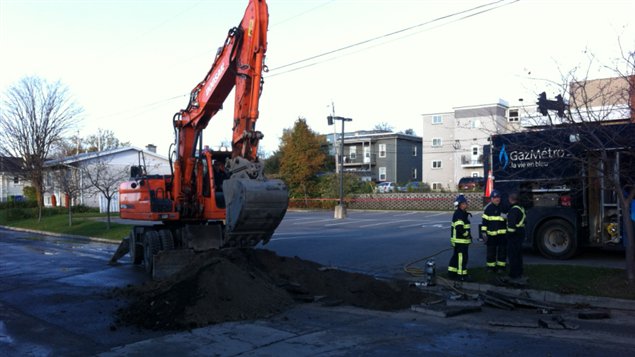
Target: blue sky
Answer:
[[131, 64]]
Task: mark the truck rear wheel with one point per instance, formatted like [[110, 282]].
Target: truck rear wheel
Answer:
[[151, 246], [556, 239], [136, 249]]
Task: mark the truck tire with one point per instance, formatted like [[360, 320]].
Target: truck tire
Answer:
[[151, 246], [136, 249], [167, 241], [556, 239]]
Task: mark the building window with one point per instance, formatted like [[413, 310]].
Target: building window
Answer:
[[16, 180], [414, 174], [352, 152], [436, 164], [512, 115], [437, 119], [437, 142], [437, 186], [475, 123], [382, 174], [414, 150], [382, 150]]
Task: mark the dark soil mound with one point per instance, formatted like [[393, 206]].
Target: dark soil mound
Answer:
[[241, 284]]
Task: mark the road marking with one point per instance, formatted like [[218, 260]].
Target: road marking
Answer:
[[310, 222], [422, 224], [387, 222], [339, 224], [407, 214]]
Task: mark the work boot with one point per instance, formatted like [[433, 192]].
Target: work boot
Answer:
[[466, 278]]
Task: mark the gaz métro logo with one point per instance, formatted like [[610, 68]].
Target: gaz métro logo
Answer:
[[503, 158]]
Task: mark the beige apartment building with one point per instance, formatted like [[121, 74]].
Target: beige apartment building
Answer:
[[453, 141]]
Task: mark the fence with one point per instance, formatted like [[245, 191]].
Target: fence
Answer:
[[395, 201]]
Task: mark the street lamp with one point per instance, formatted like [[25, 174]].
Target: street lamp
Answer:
[[340, 209]]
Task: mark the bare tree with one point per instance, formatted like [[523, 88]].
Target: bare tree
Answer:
[[35, 115], [105, 179], [383, 126], [68, 182], [593, 104], [103, 140]]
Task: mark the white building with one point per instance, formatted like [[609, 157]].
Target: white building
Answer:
[[11, 183], [118, 162]]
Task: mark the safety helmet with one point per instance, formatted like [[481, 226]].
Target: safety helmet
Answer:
[[460, 199], [495, 193]]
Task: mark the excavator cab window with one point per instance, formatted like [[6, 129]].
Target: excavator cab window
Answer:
[[206, 178]]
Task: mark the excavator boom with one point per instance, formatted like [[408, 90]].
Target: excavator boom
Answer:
[[212, 199]]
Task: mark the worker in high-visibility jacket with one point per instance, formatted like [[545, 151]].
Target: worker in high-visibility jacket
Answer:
[[515, 237], [493, 230], [460, 237]]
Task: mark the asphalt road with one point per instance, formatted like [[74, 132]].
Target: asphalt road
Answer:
[[56, 300], [382, 242]]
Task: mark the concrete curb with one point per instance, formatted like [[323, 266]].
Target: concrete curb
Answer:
[[95, 239], [554, 298]]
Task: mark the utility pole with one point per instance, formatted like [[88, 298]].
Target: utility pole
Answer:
[[340, 209]]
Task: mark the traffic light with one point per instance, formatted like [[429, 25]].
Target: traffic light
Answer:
[[542, 103], [560, 106]]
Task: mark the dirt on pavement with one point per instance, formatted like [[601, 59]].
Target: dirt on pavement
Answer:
[[243, 284]]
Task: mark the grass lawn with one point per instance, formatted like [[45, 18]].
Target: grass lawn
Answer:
[[570, 279], [84, 224]]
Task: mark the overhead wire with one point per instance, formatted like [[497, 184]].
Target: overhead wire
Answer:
[[492, 6]]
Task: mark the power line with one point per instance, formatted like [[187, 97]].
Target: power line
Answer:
[[470, 13]]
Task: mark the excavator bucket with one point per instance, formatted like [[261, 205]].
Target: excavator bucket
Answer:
[[254, 210], [169, 262]]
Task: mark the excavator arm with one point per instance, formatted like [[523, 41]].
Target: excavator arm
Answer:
[[238, 64], [212, 199]]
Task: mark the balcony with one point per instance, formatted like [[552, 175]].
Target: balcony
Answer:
[[358, 160], [468, 161]]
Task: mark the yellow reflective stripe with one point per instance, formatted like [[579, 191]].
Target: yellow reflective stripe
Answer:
[[493, 218], [522, 221], [511, 230], [460, 264], [501, 264], [459, 240], [456, 223], [452, 269], [492, 265], [495, 233]]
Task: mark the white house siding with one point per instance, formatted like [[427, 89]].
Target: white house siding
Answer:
[[9, 188], [117, 159]]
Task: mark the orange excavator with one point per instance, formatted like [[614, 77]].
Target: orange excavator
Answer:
[[212, 199]]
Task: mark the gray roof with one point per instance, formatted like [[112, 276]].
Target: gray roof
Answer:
[[96, 154], [10, 164]]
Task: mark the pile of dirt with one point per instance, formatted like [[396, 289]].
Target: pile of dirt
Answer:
[[240, 284]]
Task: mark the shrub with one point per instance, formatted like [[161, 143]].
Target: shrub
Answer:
[[17, 214]]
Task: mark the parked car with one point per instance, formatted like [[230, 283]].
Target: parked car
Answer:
[[385, 187], [471, 183], [413, 186]]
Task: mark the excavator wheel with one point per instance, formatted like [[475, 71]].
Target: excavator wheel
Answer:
[[167, 241], [136, 250], [151, 246]]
